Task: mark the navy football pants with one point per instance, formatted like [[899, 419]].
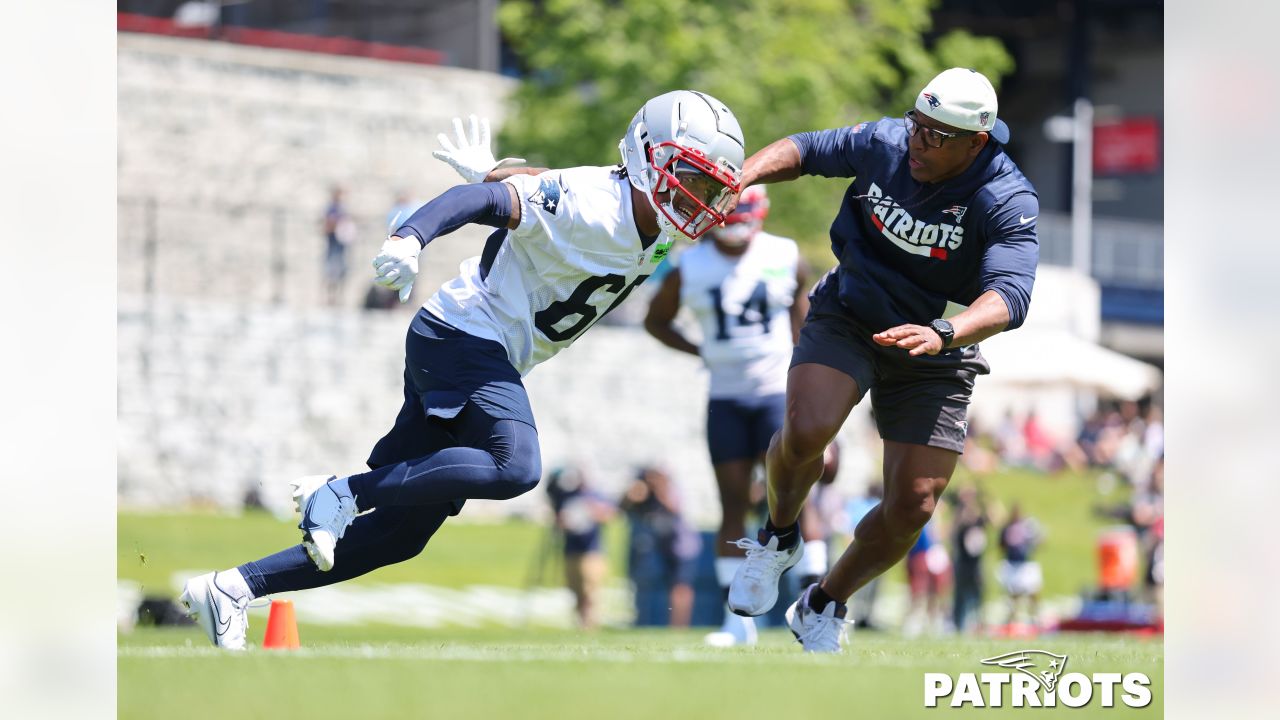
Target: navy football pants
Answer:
[[475, 456]]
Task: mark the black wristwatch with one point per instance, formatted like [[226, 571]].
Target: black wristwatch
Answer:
[[944, 330]]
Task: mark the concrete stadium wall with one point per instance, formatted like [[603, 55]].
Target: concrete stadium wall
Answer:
[[226, 154], [217, 400]]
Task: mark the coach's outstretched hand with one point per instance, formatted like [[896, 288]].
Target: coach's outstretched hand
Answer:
[[471, 157], [917, 339], [396, 265]]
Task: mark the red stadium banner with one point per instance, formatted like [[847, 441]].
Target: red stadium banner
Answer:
[[130, 22], [1127, 146]]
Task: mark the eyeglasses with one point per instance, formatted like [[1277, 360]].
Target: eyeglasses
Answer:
[[933, 138]]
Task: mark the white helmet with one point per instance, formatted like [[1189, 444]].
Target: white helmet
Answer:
[[688, 145]]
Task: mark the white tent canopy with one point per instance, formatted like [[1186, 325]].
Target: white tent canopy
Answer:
[[1032, 357]]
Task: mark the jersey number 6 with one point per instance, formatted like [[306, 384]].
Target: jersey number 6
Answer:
[[578, 305]]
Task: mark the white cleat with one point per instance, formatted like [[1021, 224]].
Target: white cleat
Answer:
[[822, 632], [224, 619], [737, 630], [326, 513], [754, 589]]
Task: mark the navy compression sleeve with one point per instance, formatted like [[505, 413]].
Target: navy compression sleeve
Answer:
[[484, 203]]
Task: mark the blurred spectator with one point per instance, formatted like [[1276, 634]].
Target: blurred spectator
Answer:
[[1038, 443], [378, 297], [339, 233], [401, 208], [1153, 578], [862, 604], [1020, 576], [969, 544], [664, 547], [979, 456], [1010, 443], [928, 578], [579, 513], [817, 521]]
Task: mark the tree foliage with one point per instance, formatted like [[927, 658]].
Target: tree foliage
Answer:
[[783, 66]]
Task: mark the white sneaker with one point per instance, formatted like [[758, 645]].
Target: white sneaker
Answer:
[[754, 589], [326, 513], [225, 619], [737, 630], [817, 632]]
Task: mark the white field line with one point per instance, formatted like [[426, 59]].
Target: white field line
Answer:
[[480, 654]]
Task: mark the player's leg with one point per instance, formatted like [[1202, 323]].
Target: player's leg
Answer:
[[732, 458], [819, 398], [467, 385], [575, 580], [914, 478], [219, 601], [496, 459]]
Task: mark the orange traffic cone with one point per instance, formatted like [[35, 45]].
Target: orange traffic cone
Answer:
[[282, 628]]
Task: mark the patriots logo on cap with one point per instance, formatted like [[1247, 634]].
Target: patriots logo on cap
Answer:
[[932, 100], [983, 117], [1027, 661]]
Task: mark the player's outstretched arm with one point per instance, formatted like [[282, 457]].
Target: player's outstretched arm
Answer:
[[471, 156], [396, 265], [658, 322], [987, 316], [776, 162]]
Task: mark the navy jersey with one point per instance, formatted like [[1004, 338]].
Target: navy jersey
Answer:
[[910, 252]]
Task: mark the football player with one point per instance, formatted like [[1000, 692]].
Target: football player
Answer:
[[570, 245], [936, 241]]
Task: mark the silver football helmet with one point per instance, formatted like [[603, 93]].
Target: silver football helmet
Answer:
[[684, 150]]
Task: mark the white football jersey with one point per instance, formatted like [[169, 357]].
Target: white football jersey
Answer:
[[743, 307], [576, 255]]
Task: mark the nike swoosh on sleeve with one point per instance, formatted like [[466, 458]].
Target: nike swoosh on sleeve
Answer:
[[1023, 220]]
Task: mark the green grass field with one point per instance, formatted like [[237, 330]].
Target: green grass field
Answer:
[[378, 670], [385, 672]]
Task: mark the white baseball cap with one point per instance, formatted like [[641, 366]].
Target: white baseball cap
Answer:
[[965, 99]]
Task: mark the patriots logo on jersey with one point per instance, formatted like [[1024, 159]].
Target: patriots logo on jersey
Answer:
[[547, 195], [957, 210]]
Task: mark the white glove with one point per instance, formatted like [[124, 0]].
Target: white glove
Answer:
[[396, 265], [472, 157]]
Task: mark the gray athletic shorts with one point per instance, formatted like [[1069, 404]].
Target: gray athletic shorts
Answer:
[[922, 400]]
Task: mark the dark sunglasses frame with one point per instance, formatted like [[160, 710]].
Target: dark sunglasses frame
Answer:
[[932, 137]]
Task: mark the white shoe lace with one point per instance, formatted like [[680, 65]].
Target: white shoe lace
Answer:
[[823, 632], [760, 559], [347, 512]]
